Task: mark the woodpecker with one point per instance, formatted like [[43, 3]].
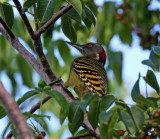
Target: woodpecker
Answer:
[[87, 73]]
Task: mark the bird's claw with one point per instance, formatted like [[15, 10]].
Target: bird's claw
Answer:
[[57, 82]]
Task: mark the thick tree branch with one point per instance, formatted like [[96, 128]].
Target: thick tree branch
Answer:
[[45, 71], [15, 114], [38, 44], [23, 52], [53, 20], [34, 63], [80, 136]]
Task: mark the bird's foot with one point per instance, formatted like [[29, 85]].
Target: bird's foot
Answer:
[[57, 82]]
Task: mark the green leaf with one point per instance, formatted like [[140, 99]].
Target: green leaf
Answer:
[[28, 4], [37, 117], [103, 134], [155, 59], [75, 116], [28, 115], [2, 1], [94, 109], [127, 120], [47, 38], [152, 101], [77, 5], [150, 64], [86, 99], [62, 102], [15, 135], [6, 128], [26, 96], [52, 59], [104, 117], [20, 31], [59, 97], [138, 116], [2, 112], [115, 63], [6, 12], [142, 102], [156, 50], [104, 122], [90, 15], [68, 28], [83, 15], [10, 73], [6, 50], [125, 33], [151, 80], [41, 84], [87, 22], [135, 91], [106, 102], [45, 9], [112, 123], [72, 13], [108, 121], [64, 51], [63, 113], [25, 70]]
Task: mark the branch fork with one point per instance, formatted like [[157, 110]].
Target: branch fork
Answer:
[[43, 70]]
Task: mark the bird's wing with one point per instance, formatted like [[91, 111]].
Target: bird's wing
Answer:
[[90, 74]]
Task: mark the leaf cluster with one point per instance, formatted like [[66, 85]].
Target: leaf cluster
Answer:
[[83, 22]]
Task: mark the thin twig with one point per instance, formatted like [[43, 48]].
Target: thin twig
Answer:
[[45, 71], [52, 20], [24, 17], [7, 28], [23, 52], [15, 114], [80, 136], [34, 63], [37, 45]]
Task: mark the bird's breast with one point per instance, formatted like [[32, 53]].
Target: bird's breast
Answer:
[[92, 73]]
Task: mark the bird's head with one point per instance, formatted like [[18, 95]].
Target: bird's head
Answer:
[[92, 50]]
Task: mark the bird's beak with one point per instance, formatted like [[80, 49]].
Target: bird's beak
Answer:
[[77, 46]]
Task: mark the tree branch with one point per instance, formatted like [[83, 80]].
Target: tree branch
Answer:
[[34, 63], [80, 136], [35, 17], [24, 18], [52, 20], [7, 28], [15, 114], [37, 45], [45, 71], [23, 52]]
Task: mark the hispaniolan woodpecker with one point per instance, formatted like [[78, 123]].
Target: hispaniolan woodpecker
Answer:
[[87, 73]]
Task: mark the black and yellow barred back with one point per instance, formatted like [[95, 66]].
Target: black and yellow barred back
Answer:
[[92, 73]]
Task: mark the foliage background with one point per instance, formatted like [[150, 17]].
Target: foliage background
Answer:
[[122, 27]]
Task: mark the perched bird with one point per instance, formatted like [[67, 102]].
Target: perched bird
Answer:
[[87, 73]]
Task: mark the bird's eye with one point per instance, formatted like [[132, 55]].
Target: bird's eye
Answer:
[[90, 45]]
